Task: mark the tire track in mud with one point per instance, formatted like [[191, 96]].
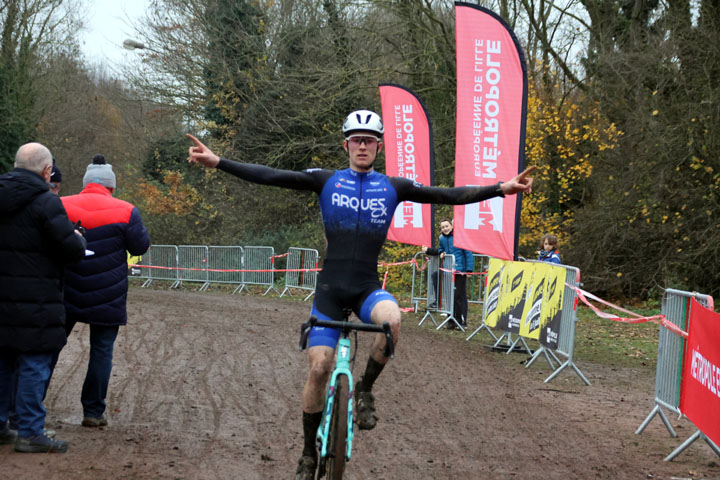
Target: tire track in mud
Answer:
[[192, 356], [148, 355], [265, 398], [65, 381], [150, 384]]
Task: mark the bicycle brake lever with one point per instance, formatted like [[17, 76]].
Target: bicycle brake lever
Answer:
[[389, 343], [305, 331]]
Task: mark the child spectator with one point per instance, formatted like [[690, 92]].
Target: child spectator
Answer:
[[548, 249], [464, 262]]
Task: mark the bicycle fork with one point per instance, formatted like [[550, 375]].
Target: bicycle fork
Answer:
[[342, 367]]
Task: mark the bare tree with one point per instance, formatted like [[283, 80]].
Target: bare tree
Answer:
[[31, 32]]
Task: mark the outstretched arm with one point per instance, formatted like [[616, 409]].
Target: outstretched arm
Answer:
[[305, 180], [408, 190]]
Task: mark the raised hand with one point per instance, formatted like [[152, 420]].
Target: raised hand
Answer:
[[200, 153], [521, 183]]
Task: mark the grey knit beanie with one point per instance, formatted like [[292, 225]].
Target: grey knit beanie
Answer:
[[99, 171]]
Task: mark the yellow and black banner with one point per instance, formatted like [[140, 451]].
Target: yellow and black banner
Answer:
[[552, 305], [534, 293], [492, 289], [525, 298], [512, 296]]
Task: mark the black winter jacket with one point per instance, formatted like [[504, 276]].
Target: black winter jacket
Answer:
[[36, 241]]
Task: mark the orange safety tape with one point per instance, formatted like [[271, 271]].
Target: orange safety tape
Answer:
[[424, 265], [659, 319], [383, 264]]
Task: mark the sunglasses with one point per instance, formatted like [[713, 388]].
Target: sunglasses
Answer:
[[368, 140]]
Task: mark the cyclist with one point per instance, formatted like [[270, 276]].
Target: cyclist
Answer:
[[357, 206]]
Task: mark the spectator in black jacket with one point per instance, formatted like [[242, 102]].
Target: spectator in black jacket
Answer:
[[36, 241]]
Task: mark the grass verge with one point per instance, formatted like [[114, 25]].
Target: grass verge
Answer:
[[610, 342]]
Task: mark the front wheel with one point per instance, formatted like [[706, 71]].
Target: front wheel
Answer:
[[338, 430]]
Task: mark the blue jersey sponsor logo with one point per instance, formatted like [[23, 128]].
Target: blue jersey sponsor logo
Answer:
[[362, 202]]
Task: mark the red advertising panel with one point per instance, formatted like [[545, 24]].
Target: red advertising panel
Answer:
[[700, 387], [409, 154], [490, 136]]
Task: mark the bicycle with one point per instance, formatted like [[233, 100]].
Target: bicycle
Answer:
[[335, 443]]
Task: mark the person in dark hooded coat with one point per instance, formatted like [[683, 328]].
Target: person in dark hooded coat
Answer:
[[37, 240]]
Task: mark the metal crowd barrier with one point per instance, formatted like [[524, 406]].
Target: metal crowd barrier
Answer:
[[193, 265], [417, 291], [142, 270], [668, 373], [225, 264], [259, 268], [301, 259], [566, 336], [476, 283], [165, 257], [440, 290]]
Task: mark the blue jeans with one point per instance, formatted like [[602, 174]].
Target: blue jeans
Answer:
[[13, 412], [31, 371], [97, 379]]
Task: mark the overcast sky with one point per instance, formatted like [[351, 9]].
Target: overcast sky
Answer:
[[108, 23]]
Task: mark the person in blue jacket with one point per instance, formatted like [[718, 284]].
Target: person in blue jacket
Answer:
[[96, 287], [464, 262], [548, 249]]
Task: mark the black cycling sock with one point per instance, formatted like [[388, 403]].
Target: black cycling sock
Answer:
[[311, 422], [372, 372]]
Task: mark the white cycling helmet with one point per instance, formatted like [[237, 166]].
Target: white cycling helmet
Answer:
[[363, 120]]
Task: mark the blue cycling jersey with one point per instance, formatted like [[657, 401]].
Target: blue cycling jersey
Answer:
[[357, 207]]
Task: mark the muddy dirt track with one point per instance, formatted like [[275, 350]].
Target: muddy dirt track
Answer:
[[207, 386]]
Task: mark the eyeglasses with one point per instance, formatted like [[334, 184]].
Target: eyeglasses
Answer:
[[357, 140]]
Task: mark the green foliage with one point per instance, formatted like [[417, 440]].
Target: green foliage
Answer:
[[33, 35], [653, 201], [16, 105], [399, 277], [17, 97], [235, 42], [566, 142], [169, 153], [310, 235]]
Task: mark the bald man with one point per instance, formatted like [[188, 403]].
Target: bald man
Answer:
[[37, 240]]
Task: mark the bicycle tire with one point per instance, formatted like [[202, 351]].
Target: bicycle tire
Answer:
[[338, 431]]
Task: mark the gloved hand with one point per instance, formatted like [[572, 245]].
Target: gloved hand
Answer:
[[80, 228]]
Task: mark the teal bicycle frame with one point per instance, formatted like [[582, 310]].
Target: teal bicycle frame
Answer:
[[342, 367]]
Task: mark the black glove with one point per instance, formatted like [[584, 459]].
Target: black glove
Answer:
[[80, 228]]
